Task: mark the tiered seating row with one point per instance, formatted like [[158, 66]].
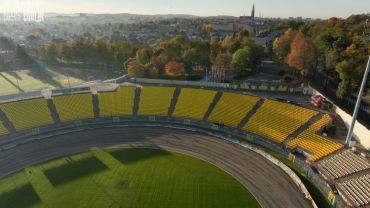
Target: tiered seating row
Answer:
[[193, 103], [317, 145], [343, 164], [74, 107], [117, 103], [273, 120], [232, 108], [357, 190], [3, 130], [276, 120], [28, 114], [155, 100]]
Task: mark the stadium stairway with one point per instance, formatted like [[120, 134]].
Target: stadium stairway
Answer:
[[53, 111], [6, 122], [251, 113], [136, 102], [95, 101], [303, 128], [212, 106], [175, 97]]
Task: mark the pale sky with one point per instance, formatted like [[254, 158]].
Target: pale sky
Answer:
[[266, 8]]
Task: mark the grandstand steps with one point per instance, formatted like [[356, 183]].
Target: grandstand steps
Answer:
[[353, 176], [53, 111], [251, 113], [6, 122], [303, 128], [135, 109], [212, 106], [175, 97], [95, 101]]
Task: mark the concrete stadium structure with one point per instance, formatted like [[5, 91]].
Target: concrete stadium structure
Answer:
[[279, 126]]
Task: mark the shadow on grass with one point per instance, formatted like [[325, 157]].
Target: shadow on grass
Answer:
[[41, 73], [74, 170], [12, 83], [14, 74], [132, 155], [21, 197]]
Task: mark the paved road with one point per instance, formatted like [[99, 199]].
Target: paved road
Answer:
[[267, 182]]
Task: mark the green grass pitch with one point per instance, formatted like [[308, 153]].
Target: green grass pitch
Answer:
[[124, 178]]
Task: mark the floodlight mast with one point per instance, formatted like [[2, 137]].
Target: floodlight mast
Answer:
[[358, 103]]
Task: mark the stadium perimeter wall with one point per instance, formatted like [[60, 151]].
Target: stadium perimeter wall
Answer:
[[360, 132]]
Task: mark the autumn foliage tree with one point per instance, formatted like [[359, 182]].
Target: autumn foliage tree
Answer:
[[281, 46], [223, 61], [136, 69], [302, 54], [207, 27], [175, 69]]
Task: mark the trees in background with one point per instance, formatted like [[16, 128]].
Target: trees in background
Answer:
[[6, 44], [223, 61], [241, 62], [302, 54], [175, 57], [281, 46], [87, 52], [333, 47], [175, 69]]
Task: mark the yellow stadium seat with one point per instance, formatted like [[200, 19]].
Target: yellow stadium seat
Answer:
[[117, 103], [74, 107], [27, 114], [317, 145], [276, 120], [155, 100], [193, 103], [3, 130], [232, 108]]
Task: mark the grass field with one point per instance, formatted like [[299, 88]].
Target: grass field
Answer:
[[124, 178], [25, 81], [28, 79]]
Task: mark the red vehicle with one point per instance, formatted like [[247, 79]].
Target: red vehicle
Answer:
[[318, 100]]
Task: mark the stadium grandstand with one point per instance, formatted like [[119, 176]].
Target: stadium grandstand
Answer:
[[74, 107], [232, 108], [155, 100], [356, 191], [117, 103], [317, 145], [27, 114], [193, 103], [343, 164], [287, 126], [276, 120], [3, 130]]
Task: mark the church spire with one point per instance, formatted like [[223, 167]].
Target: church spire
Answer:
[[252, 15]]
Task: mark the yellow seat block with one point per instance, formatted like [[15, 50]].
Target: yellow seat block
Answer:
[[276, 120], [155, 100], [3, 130], [117, 103], [27, 114], [317, 145], [193, 103], [232, 108], [74, 107]]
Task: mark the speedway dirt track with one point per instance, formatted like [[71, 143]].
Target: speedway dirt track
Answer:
[[271, 186]]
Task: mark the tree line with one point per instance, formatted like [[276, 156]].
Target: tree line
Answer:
[[21, 57], [178, 57], [334, 47]]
